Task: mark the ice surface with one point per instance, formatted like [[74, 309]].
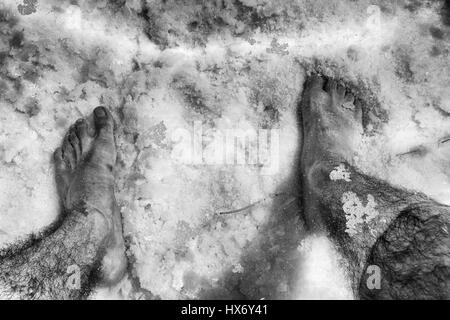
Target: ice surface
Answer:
[[174, 68]]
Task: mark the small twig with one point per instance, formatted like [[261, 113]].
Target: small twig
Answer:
[[443, 140], [251, 205], [242, 209], [420, 151]]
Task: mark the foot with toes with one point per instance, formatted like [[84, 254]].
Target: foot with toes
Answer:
[[332, 125], [84, 167], [332, 121]]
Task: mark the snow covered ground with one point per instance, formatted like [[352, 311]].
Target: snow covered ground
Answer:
[[182, 77]]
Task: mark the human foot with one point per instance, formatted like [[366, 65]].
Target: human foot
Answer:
[[332, 121], [332, 124], [84, 175]]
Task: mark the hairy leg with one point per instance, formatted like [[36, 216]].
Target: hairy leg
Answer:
[[88, 242], [361, 212], [413, 256]]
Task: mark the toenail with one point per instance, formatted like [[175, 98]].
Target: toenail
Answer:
[[100, 112]]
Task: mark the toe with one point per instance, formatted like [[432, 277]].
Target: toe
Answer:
[[68, 153], [103, 149], [315, 81], [314, 97], [331, 86], [103, 120], [81, 130], [76, 145], [340, 92], [61, 176], [335, 90], [60, 164]]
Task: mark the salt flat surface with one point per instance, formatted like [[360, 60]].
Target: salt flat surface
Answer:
[[182, 92]]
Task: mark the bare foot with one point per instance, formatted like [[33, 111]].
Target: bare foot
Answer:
[[84, 174], [384, 232], [332, 124]]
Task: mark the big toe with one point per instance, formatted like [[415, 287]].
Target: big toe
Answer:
[[103, 150], [314, 97], [315, 82], [103, 120]]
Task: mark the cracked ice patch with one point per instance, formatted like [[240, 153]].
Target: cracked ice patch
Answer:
[[340, 173], [356, 213]]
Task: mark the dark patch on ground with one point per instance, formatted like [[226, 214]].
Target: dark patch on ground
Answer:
[[136, 66], [352, 54], [206, 22], [17, 39], [90, 71], [115, 6], [403, 65], [31, 74], [165, 25], [3, 88], [8, 18], [413, 5], [445, 12], [268, 96], [194, 98], [435, 51], [152, 27], [3, 57], [23, 56], [251, 17], [28, 52], [270, 262], [32, 107], [436, 33]]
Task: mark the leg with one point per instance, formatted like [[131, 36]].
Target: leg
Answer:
[[356, 210], [413, 256], [89, 236]]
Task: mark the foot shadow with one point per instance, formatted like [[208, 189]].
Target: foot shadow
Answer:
[[271, 261]]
